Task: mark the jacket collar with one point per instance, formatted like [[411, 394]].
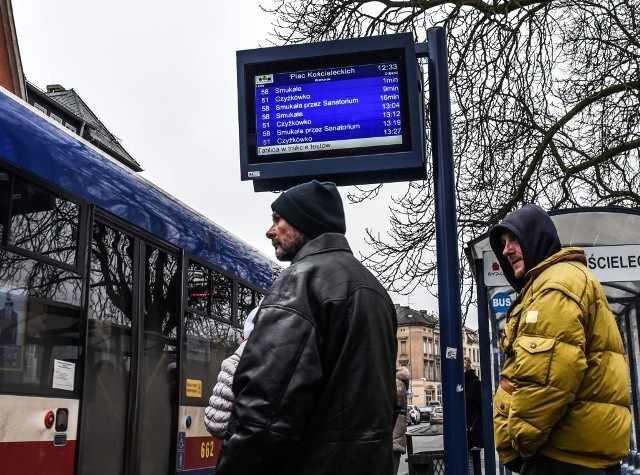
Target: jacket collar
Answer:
[[574, 254], [327, 242]]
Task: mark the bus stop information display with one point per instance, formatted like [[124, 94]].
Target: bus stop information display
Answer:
[[349, 111], [328, 109]]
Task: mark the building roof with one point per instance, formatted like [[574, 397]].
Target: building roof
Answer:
[[11, 75], [93, 130], [408, 316]]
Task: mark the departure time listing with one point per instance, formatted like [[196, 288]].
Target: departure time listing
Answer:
[[323, 109]]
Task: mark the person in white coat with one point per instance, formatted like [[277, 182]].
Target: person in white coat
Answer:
[[218, 412]]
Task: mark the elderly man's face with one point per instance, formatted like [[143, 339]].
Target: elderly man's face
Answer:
[[513, 252], [286, 239]]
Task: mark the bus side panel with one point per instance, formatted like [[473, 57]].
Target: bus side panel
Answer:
[[197, 450], [37, 457], [26, 445]]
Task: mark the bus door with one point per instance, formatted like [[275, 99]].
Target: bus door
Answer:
[[129, 410]]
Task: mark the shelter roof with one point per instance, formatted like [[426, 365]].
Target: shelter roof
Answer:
[[590, 227]]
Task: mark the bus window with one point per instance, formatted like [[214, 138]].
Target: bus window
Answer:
[[221, 304], [43, 223], [199, 288], [38, 347], [5, 182], [248, 299], [38, 279], [209, 291], [157, 407], [207, 343], [103, 430]]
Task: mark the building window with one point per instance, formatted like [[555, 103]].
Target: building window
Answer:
[[403, 347], [40, 108], [71, 128], [56, 118]]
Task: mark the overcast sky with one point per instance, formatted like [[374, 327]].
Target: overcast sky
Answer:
[[161, 76]]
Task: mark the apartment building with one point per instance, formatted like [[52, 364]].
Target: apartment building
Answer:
[[419, 350]]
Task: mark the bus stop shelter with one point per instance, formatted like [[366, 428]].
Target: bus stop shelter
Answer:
[[610, 237]]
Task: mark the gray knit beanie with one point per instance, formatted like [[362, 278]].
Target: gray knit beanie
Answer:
[[312, 208]]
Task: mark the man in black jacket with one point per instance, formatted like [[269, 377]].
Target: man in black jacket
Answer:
[[315, 387], [473, 406]]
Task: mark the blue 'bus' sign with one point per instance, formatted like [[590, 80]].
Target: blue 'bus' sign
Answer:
[[501, 302]]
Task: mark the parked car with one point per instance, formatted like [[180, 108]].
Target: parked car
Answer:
[[413, 415], [434, 403], [437, 416], [425, 413]]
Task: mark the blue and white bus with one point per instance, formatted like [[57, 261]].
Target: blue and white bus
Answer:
[[117, 305]]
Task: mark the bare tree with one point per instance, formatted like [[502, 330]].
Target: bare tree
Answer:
[[545, 109]]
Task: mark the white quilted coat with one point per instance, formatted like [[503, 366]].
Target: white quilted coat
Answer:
[[218, 412]]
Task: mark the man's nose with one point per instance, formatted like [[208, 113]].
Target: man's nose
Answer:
[[508, 249], [270, 232]]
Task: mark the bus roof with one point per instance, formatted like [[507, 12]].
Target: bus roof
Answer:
[[40, 146]]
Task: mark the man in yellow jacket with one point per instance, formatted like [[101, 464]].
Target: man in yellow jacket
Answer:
[[562, 406]]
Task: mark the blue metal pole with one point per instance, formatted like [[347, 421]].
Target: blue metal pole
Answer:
[[455, 429], [485, 370]]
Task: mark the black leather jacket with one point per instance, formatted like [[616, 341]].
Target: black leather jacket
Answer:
[[315, 388]]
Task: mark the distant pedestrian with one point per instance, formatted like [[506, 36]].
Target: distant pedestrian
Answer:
[[400, 429], [473, 406], [562, 405], [8, 323], [315, 387]]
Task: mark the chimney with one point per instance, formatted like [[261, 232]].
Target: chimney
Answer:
[[54, 88]]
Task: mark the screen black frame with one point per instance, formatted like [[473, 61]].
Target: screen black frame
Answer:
[[374, 164]]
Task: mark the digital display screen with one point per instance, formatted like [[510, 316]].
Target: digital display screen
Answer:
[[349, 111], [325, 109], [339, 110]]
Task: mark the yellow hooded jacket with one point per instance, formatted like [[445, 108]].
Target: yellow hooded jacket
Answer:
[[564, 390]]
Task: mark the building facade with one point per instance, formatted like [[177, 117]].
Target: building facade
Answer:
[[419, 350]]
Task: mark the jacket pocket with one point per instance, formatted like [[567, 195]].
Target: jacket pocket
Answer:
[[502, 398], [501, 407], [533, 358], [509, 332]]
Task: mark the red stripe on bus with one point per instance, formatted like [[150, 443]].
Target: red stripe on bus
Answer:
[[201, 452], [37, 457]]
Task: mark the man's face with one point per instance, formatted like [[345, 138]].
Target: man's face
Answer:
[[286, 239], [513, 252]]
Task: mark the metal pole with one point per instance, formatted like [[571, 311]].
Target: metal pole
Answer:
[[633, 365], [485, 370], [455, 427]]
